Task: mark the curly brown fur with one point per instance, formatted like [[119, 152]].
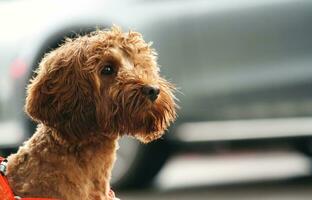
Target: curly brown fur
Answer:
[[82, 111]]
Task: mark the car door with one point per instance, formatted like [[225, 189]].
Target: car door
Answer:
[[231, 58]]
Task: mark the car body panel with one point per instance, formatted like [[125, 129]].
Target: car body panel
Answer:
[[230, 60]]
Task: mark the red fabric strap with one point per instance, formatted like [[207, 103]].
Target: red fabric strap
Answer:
[[5, 191]]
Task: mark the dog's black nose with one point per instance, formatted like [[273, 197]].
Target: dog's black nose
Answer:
[[151, 92]]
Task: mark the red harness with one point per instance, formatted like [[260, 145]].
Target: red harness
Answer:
[[6, 192]]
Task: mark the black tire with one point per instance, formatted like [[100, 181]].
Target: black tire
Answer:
[[305, 147], [7, 151], [149, 159]]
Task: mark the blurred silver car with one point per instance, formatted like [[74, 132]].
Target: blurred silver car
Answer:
[[244, 69]]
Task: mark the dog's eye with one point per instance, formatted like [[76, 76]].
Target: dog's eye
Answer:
[[108, 69]]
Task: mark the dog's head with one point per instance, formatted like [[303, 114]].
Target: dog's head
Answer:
[[107, 82]]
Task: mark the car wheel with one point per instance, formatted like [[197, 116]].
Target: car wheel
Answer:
[[137, 164], [7, 151], [305, 147]]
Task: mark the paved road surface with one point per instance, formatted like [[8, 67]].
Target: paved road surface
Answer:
[[252, 176], [299, 189]]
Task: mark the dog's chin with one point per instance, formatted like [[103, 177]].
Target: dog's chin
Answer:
[[149, 128], [148, 121], [144, 134], [148, 137]]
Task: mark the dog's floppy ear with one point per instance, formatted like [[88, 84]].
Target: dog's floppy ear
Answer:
[[60, 96]]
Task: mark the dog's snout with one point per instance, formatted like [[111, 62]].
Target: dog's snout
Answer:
[[152, 92]]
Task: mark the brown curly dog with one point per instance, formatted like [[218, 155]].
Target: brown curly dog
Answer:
[[87, 93]]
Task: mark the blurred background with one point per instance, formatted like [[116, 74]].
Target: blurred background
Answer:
[[244, 71]]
